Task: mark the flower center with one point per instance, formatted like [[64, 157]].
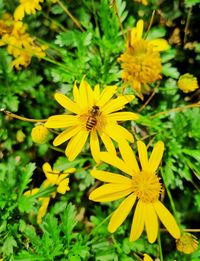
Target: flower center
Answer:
[[146, 186], [140, 62]]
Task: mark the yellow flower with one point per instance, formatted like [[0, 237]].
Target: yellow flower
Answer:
[[147, 258], [94, 115], [21, 45], [142, 186], [187, 83], [39, 134], [187, 243], [53, 178], [28, 7], [6, 24], [141, 62]]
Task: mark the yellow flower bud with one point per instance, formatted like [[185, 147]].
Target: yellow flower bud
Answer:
[[20, 136], [187, 243], [39, 134], [187, 83]]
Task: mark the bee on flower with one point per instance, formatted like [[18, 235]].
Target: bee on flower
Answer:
[[141, 62], [141, 187], [93, 114]]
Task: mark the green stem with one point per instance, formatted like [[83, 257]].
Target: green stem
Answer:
[[170, 198], [160, 247], [99, 225], [116, 244]]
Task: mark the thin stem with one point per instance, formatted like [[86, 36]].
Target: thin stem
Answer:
[[170, 198], [10, 114], [160, 247], [147, 102], [187, 25], [119, 20], [56, 149], [116, 244], [99, 225], [150, 23], [194, 105], [76, 22]]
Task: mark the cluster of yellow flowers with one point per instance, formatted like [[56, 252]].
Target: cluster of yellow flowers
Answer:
[[95, 115], [13, 34]]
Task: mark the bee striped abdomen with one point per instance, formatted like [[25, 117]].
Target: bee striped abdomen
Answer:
[[91, 122]]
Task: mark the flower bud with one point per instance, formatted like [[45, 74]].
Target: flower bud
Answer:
[[39, 134], [187, 83], [187, 243]]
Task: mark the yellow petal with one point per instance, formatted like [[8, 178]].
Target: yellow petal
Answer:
[[106, 95], [107, 142], [123, 116], [115, 161], [159, 45], [129, 157], [76, 94], [109, 177], [76, 144], [86, 95], [96, 94], [31, 192], [147, 258], [156, 156], [143, 156], [121, 213], [63, 186], [61, 121], [66, 135], [46, 168], [118, 133], [139, 29], [110, 192], [19, 12], [42, 210], [117, 104], [66, 103], [138, 222], [151, 222], [167, 219], [94, 146]]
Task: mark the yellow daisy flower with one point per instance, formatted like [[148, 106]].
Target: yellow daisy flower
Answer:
[[187, 83], [141, 186], [141, 62], [187, 243], [27, 6], [53, 178], [94, 115]]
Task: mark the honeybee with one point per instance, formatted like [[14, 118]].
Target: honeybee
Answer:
[[92, 120]]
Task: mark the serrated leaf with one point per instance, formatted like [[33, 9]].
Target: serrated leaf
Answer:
[[8, 245]]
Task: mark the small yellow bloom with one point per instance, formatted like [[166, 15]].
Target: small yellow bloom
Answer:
[[187, 243], [39, 134], [53, 178], [187, 83], [21, 45], [95, 115], [28, 7], [141, 62], [142, 187], [6, 24]]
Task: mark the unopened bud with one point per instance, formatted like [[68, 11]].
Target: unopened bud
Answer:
[[39, 134]]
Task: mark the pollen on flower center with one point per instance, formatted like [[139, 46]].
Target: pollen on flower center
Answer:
[[146, 186]]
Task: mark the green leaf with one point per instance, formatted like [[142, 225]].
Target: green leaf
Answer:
[[8, 245]]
